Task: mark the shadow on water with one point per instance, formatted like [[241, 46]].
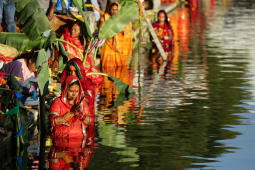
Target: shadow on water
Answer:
[[184, 111]]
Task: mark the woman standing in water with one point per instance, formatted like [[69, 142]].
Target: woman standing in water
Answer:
[[164, 32], [68, 117], [116, 50]]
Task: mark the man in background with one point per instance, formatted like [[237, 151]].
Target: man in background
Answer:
[[9, 11]]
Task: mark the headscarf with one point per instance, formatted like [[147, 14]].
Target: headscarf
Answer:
[[65, 86], [86, 83]]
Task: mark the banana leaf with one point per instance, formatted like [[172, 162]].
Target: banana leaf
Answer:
[[20, 6], [87, 32], [36, 25], [126, 2], [117, 22], [50, 42], [63, 56], [43, 72], [28, 10], [20, 41]]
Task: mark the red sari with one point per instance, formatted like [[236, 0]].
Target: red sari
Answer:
[[86, 83], [97, 79], [73, 128], [78, 151], [167, 44]]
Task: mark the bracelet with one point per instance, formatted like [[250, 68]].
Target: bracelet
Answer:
[[83, 117], [68, 116], [166, 37]]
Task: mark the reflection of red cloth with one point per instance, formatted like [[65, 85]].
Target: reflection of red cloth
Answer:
[[78, 151], [60, 107], [167, 44], [86, 83]]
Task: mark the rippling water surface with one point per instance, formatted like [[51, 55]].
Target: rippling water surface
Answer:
[[196, 113]]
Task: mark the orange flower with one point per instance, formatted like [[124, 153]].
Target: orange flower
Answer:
[[140, 8]]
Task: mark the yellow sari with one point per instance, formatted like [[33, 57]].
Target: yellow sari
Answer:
[[116, 50]]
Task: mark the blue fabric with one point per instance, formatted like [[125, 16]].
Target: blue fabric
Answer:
[[21, 129], [19, 160], [34, 94], [59, 5], [18, 95], [9, 9]]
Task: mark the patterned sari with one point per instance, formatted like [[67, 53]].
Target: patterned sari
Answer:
[[97, 79], [73, 128], [167, 44], [116, 50]]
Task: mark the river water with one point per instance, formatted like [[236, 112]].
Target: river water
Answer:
[[196, 113]]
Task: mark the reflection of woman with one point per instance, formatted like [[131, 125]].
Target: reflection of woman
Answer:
[[116, 50], [71, 153], [67, 116], [164, 31], [23, 67], [76, 68]]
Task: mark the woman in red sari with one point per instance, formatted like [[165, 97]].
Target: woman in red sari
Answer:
[[75, 36], [75, 67], [68, 117], [164, 32]]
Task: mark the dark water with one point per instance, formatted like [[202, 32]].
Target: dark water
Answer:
[[196, 114]]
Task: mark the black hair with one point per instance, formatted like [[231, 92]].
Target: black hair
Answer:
[[82, 30], [150, 4], [166, 18], [32, 55]]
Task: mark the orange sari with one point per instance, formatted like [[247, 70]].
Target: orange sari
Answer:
[[116, 50]]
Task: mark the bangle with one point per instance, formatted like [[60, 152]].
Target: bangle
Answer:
[[68, 116], [83, 117]]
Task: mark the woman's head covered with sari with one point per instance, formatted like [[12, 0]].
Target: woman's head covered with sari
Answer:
[[112, 8], [69, 82], [75, 67]]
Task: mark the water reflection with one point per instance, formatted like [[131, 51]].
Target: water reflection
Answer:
[[72, 153], [183, 112], [187, 113]]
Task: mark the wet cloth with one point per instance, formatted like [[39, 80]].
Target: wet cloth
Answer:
[[73, 128], [116, 51]]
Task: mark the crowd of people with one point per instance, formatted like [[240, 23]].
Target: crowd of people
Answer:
[[72, 115]]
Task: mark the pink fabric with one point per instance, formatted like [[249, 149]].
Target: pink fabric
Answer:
[[19, 69]]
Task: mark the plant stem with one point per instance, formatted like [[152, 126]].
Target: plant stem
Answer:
[[71, 45], [85, 57], [95, 54], [5, 89], [17, 130], [91, 73]]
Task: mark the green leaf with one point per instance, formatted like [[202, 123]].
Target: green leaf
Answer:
[[29, 9], [63, 56], [51, 40], [121, 86], [13, 83], [87, 32], [37, 25], [43, 73], [20, 6], [117, 22], [126, 2], [20, 41]]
